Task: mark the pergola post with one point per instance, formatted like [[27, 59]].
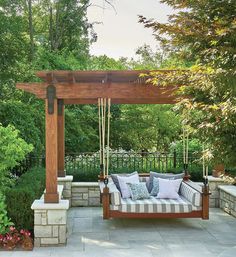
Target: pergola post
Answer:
[[61, 139], [51, 122]]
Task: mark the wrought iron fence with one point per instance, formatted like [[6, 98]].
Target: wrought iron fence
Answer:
[[127, 161], [86, 166]]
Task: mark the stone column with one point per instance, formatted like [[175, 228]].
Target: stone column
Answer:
[[50, 223], [67, 183], [214, 190]]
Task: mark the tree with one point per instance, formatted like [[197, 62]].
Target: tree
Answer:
[[204, 32], [13, 149], [147, 127]]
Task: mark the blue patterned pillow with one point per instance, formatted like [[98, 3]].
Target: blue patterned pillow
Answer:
[[138, 191], [155, 187]]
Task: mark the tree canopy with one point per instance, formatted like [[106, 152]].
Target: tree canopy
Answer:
[[204, 32]]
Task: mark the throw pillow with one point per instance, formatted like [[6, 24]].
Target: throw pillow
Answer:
[[161, 175], [169, 189], [138, 191], [115, 179], [155, 188], [125, 192]]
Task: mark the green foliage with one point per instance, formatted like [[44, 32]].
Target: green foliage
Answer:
[[145, 127], [12, 150], [19, 199], [81, 129], [104, 62], [205, 33], [5, 222], [27, 119]]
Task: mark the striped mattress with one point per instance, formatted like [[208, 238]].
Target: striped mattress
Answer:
[[154, 205]]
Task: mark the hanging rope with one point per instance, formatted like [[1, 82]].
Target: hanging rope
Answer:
[[99, 128], [205, 166], [185, 143], [104, 134], [108, 134]]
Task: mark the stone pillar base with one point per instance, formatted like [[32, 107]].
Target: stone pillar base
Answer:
[[50, 223], [67, 183]]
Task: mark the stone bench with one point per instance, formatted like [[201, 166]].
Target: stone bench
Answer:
[[228, 199]]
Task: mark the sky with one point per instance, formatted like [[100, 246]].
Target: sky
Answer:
[[119, 33]]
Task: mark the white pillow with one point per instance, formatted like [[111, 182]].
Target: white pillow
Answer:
[[125, 191], [169, 189]]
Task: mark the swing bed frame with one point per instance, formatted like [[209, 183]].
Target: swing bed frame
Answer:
[[60, 88]]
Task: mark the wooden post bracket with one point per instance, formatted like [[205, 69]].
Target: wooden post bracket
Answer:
[[51, 95], [60, 106]]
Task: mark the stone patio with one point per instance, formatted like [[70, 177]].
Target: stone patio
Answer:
[[91, 236]]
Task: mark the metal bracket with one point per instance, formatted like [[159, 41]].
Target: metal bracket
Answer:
[[60, 104], [51, 95]]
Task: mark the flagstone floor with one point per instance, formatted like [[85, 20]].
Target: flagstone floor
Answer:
[[91, 236]]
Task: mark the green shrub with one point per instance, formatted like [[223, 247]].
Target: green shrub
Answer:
[[5, 222], [19, 199], [13, 149]]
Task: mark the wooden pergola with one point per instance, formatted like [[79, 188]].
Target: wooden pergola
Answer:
[[60, 88]]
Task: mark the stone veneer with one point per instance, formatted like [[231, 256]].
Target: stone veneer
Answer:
[[85, 194], [228, 199], [67, 184], [215, 195], [50, 221]]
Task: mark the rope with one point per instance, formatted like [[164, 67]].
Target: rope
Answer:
[[184, 150], [104, 136], [205, 167], [99, 126], [108, 133], [185, 143], [104, 104]]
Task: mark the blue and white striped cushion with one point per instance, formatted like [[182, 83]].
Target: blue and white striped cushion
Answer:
[[154, 205], [193, 196]]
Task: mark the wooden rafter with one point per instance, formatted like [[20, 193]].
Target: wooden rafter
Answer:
[[85, 87]]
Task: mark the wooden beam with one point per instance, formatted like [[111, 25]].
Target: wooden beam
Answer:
[[133, 215], [170, 100], [205, 202], [106, 202], [38, 89], [96, 90], [51, 194], [61, 139]]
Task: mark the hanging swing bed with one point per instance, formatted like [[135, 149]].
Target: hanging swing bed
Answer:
[[148, 195], [60, 88]]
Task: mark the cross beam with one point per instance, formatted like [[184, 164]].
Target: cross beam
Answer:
[[121, 93]]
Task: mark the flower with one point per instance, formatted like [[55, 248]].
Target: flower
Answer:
[[12, 228]]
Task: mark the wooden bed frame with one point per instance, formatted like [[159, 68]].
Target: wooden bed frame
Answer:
[[108, 213]]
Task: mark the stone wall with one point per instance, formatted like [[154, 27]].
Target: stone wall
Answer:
[[85, 194], [228, 199], [214, 189], [50, 223], [66, 182], [88, 193]]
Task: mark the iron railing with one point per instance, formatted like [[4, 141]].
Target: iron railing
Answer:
[[89, 162], [127, 161]]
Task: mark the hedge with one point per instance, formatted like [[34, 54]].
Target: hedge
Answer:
[[19, 199], [83, 176]]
